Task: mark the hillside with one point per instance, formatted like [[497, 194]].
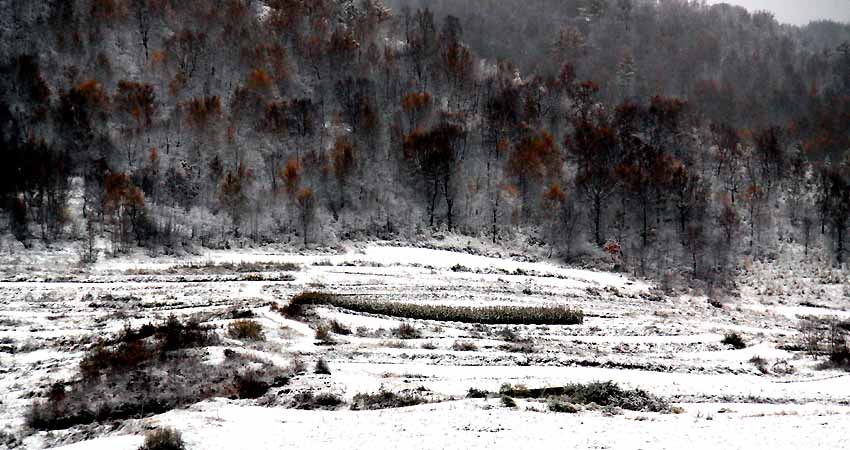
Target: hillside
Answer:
[[195, 123], [431, 223], [436, 378]]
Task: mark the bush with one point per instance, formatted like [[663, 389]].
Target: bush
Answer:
[[339, 328], [735, 340], [522, 347], [826, 336], [429, 346], [295, 308], [394, 344], [308, 401], [760, 363], [508, 402], [406, 331], [476, 393], [364, 332], [508, 335], [460, 268], [175, 335], [244, 329], [8, 440], [610, 394], [384, 399], [163, 439], [519, 391], [464, 346], [132, 349], [125, 356], [839, 358], [322, 367], [152, 388], [297, 365], [559, 405], [144, 379], [601, 393], [251, 384], [323, 334], [237, 313], [210, 267], [492, 315], [715, 303]]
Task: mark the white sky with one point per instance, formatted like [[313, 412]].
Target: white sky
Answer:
[[798, 12]]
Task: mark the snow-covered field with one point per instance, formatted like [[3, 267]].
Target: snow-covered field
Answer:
[[52, 311]]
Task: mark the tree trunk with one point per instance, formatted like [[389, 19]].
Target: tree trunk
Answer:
[[449, 202], [495, 217], [597, 213], [433, 206]]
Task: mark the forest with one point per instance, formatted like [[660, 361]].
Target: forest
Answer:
[[658, 136]]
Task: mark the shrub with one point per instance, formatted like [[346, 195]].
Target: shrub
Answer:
[[429, 346], [460, 268], [306, 400], [211, 267], [508, 402], [384, 399], [363, 332], [297, 365], [782, 367], [464, 346], [251, 384], [735, 340], [175, 335], [610, 394], [152, 388], [326, 400], [715, 303], [601, 393], [394, 344], [826, 336], [244, 329], [760, 363], [8, 440], [492, 315], [839, 358], [237, 313], [339, 328], [476, 393], [406, 331], [132, 349], [296, 305], [323, 334], [523, 347], [125, 356], [163, 439], [144, 379], [519, 391], [322, 367], [508, 335], [559, 405], [812, 332]]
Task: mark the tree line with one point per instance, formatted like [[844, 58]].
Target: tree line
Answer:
[[667, 136]]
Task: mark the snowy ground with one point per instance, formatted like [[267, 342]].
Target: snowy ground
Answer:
[[51, 311]]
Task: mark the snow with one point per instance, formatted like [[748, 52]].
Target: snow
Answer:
[[107, 443], [469, 425], [669, 346]]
